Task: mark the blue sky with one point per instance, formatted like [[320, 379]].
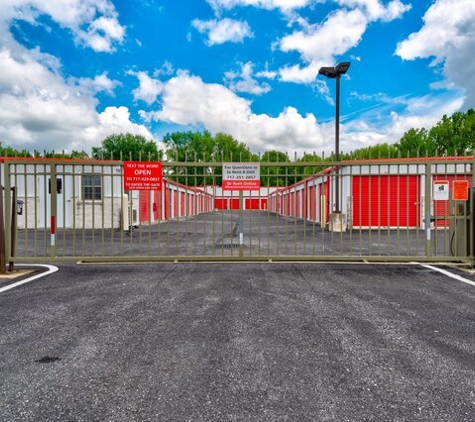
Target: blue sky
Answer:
[[76, 71]]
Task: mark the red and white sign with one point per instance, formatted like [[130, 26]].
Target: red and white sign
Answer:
[[142, 175], [241, 176]]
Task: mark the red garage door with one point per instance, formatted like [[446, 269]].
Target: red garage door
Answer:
[[255, 204], [386, 201], [313, 203], [325, 192], [251, 203], [144, 205], [226, 203], [157, 205]]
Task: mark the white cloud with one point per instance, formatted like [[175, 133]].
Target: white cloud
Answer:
[[284, 5], [319, 44], [448, 35], [92, 22], [112, 120], [224, 30], [187, 100], [149, 89], [375, 10], [268, 74], [39, 108], [100, 83], [244, 81]]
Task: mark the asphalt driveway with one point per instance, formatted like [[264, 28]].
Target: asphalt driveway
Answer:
[[238, 342]]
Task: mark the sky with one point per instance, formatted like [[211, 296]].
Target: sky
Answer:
[[73, 72]]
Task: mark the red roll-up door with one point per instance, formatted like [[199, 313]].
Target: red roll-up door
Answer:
[[386, 201], [157, 205], [325, 190], [144, 199], [252, 203], [313, 203]]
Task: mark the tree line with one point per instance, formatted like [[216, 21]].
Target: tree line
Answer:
[[452, 135]]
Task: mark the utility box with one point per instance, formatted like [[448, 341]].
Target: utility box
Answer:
[[461, 233]]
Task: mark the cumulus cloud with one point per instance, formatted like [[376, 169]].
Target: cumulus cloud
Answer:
[[100, 83], [93, 23], [39, 108], [244, 81], [224, 30], [148, 90], [111, 121], [448, 35], [319, 44], [375, 10], [188, 100]]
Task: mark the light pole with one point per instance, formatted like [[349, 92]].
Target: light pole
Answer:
[[335, 73]]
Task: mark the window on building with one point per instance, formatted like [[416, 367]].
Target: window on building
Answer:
[[92, 186]]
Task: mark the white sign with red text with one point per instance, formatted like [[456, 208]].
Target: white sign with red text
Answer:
[[241, 176]]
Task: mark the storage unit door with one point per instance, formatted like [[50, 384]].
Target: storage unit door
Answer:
[[325, 190], [313, 203], [157, 205], [144, 205], [252, 203], [298, 204], [386, 201]]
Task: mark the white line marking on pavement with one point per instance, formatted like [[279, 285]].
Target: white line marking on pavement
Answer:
[[449, 274], [51, 269]]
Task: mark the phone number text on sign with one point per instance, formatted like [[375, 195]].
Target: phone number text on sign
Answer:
[[140, 175], [241, 176]]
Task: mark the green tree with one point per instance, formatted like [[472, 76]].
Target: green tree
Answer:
[[12, 152], [415, 142], [311, 169], [276, 175], [455, 134], [203, 147], [127, 147], [374, 152]]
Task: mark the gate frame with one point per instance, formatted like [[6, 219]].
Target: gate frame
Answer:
[[427, 162]]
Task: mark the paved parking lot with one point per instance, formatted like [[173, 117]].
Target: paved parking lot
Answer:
[[238, 342]]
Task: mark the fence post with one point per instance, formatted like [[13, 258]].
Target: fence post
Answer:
[[471, 222], [53, 187], [427, 202], [13, 227], [3, 251], [8, 211]]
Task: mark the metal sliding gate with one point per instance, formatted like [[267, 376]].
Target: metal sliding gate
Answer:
[[389, 210]]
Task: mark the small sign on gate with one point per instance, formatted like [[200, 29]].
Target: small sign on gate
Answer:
[[241, 176], [441, 190], [142, 175], [460, 190]]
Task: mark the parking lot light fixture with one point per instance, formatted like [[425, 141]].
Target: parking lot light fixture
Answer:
[[335, 73]]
